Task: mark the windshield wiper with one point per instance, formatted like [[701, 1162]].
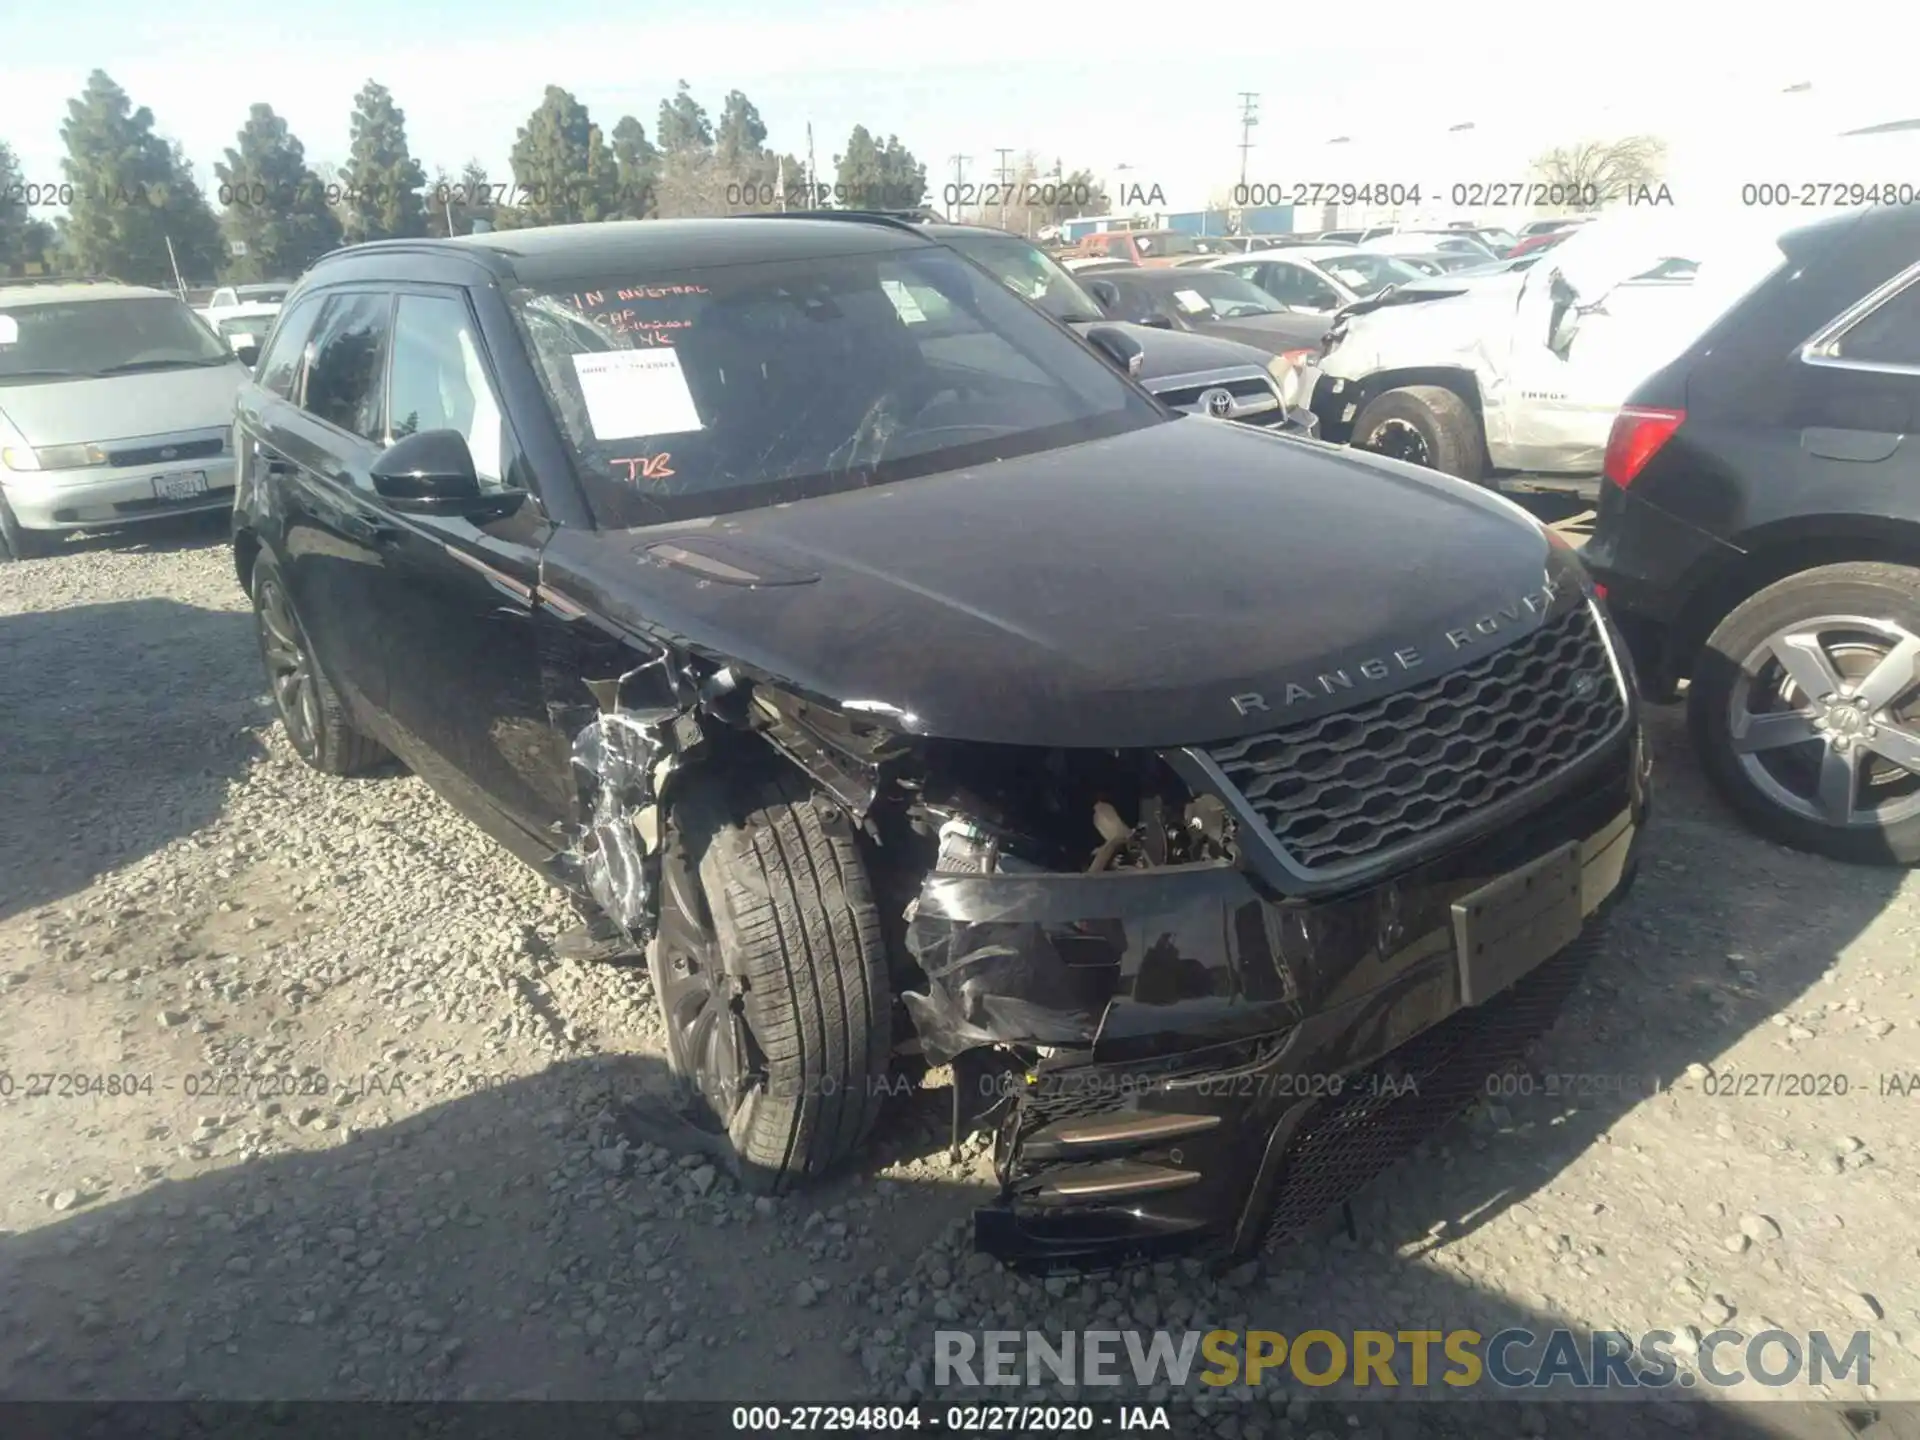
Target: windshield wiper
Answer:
[[1074, 317], [129, 366], [6, 375]]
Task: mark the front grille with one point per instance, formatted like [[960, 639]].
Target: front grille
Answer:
[[1384, 1112], [183, 450], [1366, 781], [1249, 389]]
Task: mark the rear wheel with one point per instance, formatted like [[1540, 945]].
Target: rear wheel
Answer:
[[310, 709], [1424, 425], [1805, 711], [771, 972]]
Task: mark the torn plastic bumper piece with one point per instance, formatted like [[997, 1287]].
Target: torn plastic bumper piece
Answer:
[[1215, 1053]]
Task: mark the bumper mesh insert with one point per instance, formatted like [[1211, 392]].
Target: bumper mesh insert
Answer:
[[1365, 781], [1384, 1112]]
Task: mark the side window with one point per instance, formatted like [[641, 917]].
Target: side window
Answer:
[[437, 381], [1295, 285], [280, 366], [346, 360], [1888, 334]]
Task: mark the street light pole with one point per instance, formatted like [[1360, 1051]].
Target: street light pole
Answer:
[[1249, 117]]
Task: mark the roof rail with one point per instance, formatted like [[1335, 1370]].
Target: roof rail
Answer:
[[899, 219], [13, 280]]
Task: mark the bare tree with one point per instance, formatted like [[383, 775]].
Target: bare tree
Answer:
[[1606, 169]]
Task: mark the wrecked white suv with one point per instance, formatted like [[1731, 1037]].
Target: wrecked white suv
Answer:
[[1520, 374]]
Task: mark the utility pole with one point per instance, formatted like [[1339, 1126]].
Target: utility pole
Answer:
[[813, 175], [960, 163], [1249, 117], [1006, 178]]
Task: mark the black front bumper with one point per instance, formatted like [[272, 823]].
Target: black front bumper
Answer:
[[1263, 1054]]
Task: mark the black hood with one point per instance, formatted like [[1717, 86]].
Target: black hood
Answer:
[[1175, 352], [1271, 333], [1116, 593]]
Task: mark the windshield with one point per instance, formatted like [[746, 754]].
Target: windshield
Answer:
[[1216, 295], [1367, 275], [685, 395], [85, 339], [255, 325], [1031, 274], [262, 294], [1166, 242]]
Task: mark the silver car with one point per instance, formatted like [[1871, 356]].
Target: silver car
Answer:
[[116, 406]]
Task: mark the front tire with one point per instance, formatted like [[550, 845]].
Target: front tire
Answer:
[[771, 970], [1805, 712], [1424, 425], [310, 709], [19, 543]]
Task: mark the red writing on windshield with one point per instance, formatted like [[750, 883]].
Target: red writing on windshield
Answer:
[[647, 467]]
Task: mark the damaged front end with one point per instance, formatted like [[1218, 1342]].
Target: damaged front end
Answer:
[[1197, 996]]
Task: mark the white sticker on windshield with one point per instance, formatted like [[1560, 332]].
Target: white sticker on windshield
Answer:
[[1191, 301], [635, 392], [903, 302], [9, 330]]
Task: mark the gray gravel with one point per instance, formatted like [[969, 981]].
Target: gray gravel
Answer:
[[366, 1137]]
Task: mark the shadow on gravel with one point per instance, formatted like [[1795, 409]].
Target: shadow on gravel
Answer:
[[504, 1245], [120, 727], [1723, 931]]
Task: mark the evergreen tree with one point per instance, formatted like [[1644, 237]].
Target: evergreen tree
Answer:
[[133, 192], [684, 125], [639, 165], [15, 216], [740, 140], [277, 218], [872, 176], [563, 170], [383, 180]]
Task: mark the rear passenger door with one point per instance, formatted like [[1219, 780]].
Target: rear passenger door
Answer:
[[458, 621], [1856, 400], [316, 438]]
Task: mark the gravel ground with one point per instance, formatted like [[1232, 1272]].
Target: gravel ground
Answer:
[[367, 1137]]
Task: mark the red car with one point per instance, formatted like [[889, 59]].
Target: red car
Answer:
[[1534, 244]]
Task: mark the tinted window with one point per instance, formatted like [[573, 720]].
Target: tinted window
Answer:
[[348, 352], [747, 385], [437, 381], [1296, 285], [280, 367], [1889, 334]]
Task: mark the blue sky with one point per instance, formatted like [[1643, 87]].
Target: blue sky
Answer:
[[1151, 87]]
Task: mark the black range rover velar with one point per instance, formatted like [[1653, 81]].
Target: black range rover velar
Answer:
[[1210, 810]]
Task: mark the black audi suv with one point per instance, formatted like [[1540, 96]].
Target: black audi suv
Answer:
[[1760, 540], [1212, 810]]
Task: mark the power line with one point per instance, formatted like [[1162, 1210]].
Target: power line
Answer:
[[1249, 117]]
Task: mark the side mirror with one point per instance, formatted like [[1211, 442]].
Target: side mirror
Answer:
[[1106, 292], [430, 473], [246, 350], [1156, 322], [1119, 347]]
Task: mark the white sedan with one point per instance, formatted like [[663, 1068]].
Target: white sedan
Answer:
[[1319, 279]]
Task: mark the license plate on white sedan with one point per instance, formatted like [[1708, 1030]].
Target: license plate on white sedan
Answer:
[[180, 484]]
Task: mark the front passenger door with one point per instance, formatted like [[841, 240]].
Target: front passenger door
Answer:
[[461, 633]]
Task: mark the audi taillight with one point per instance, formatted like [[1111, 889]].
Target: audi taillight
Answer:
[[1638, 433]]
